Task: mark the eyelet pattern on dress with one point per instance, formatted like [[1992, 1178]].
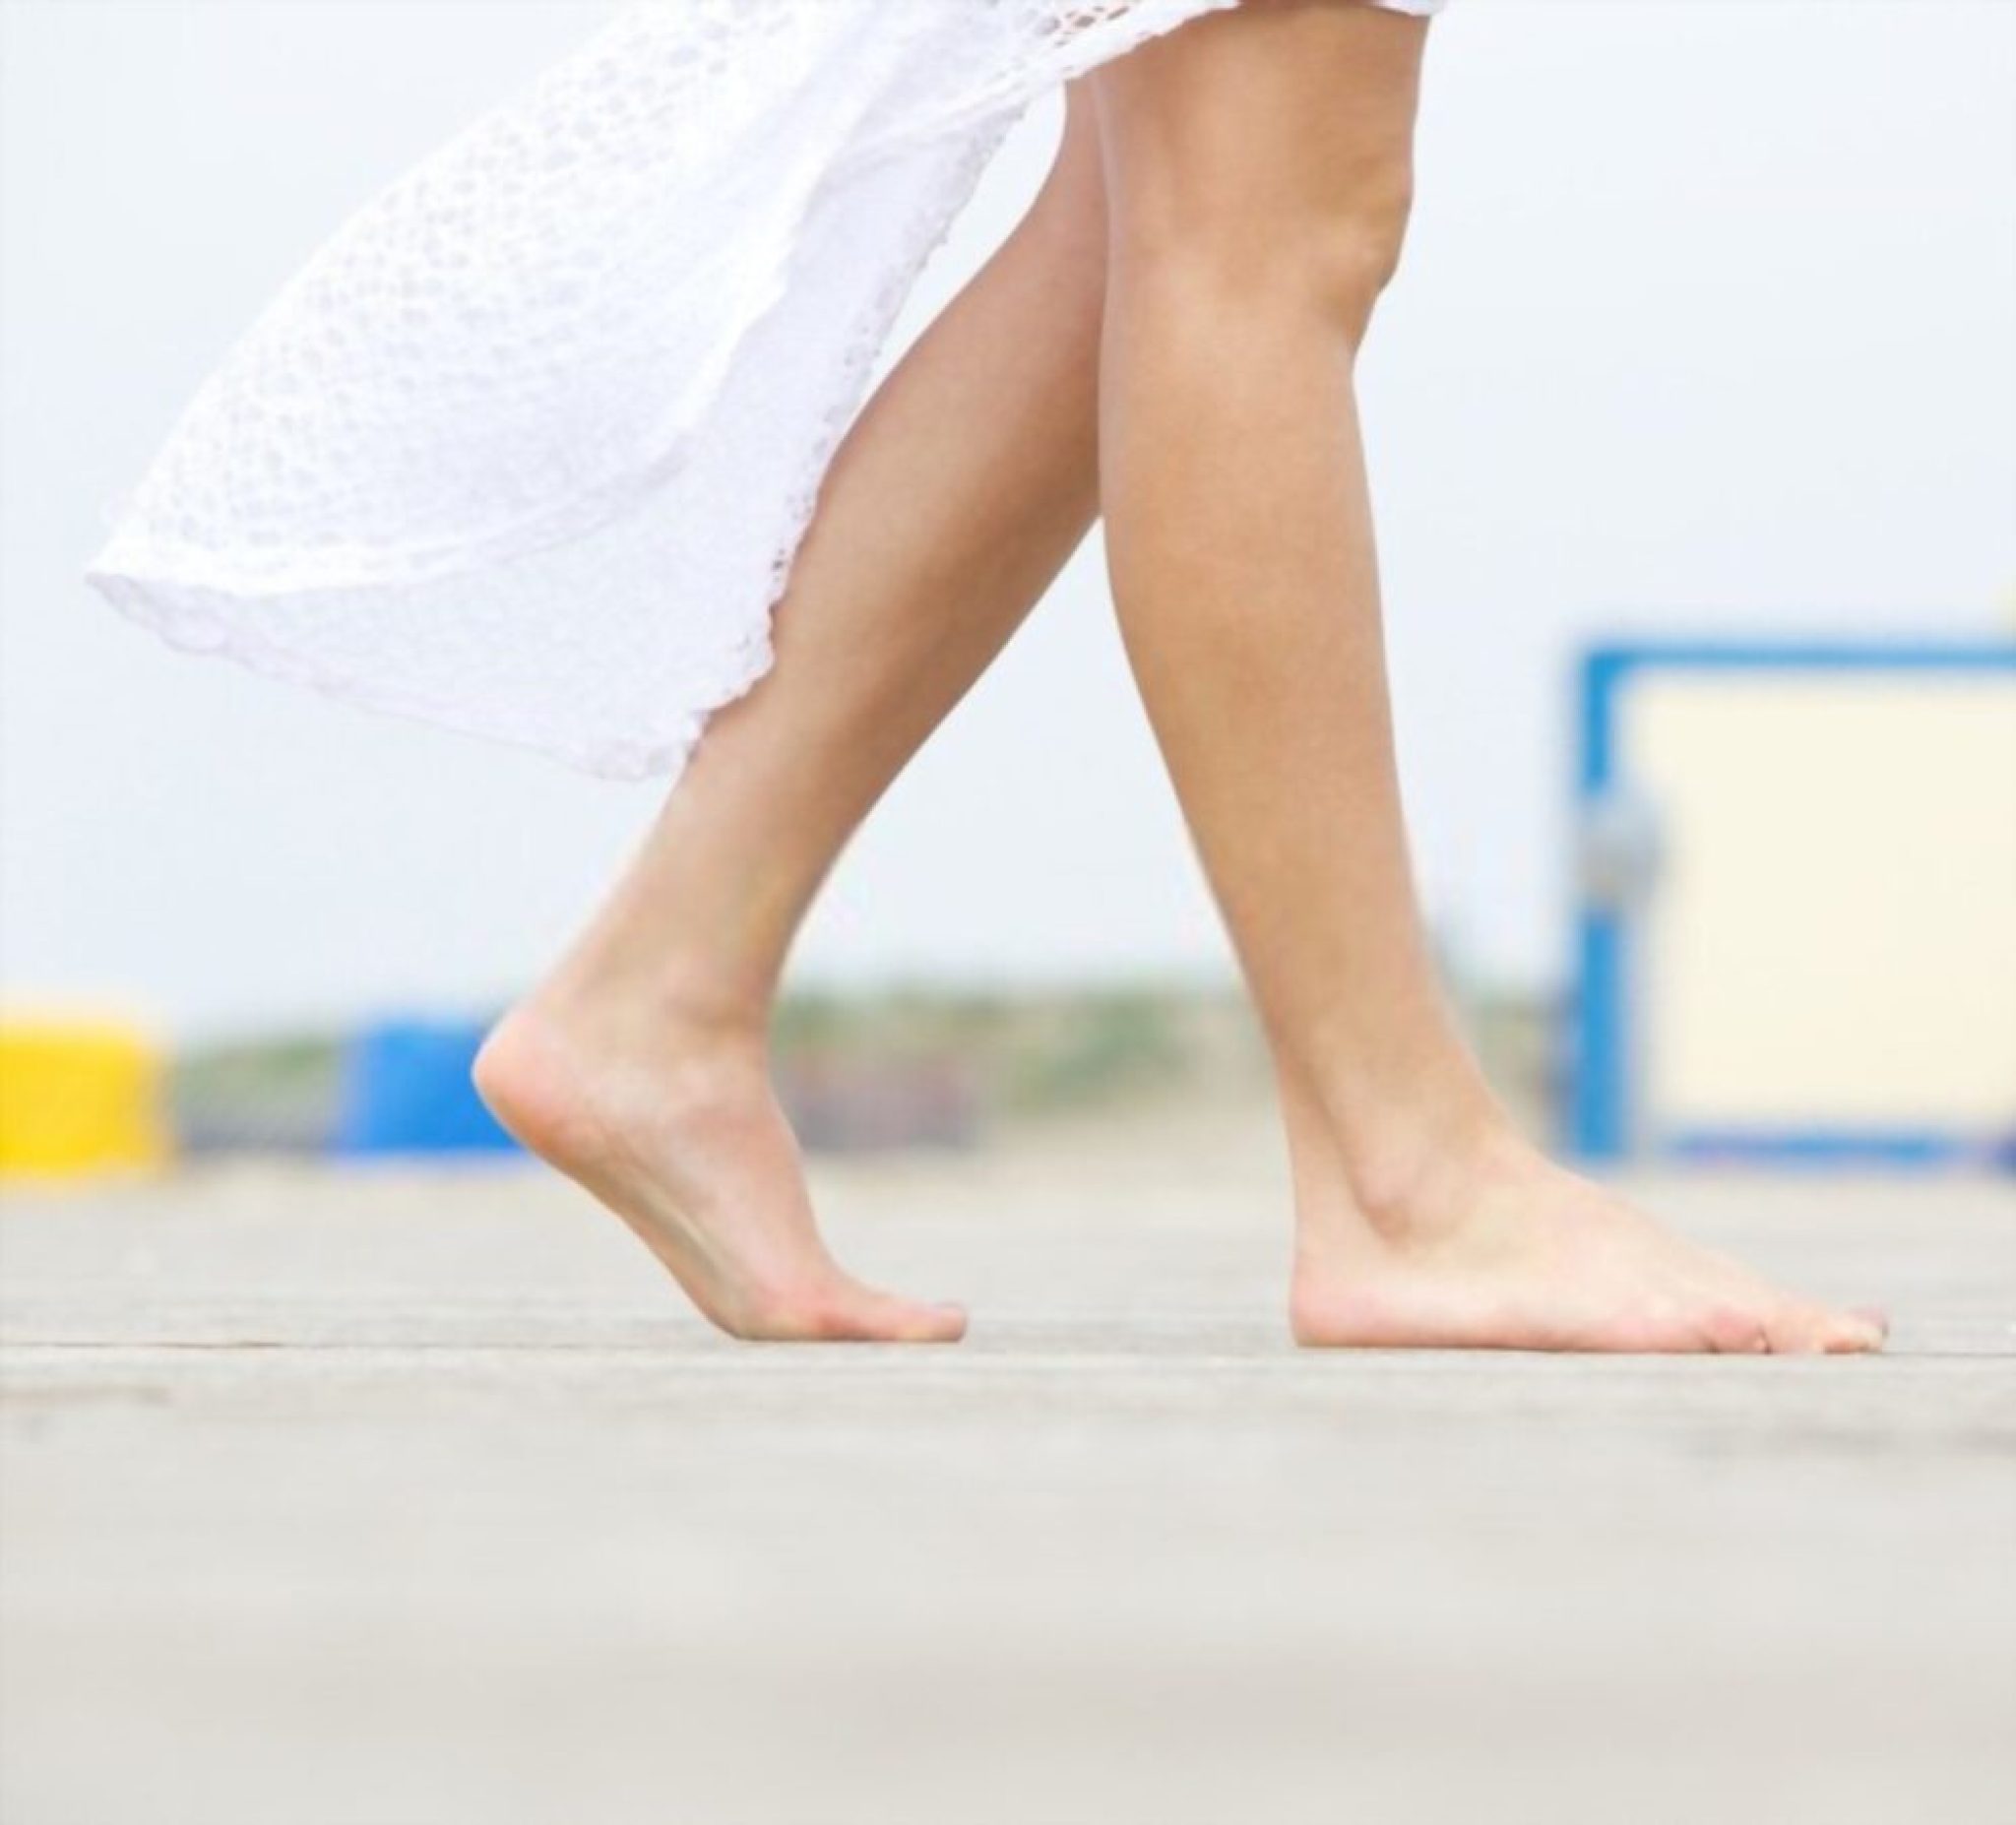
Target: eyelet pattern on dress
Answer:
[[527, 449]]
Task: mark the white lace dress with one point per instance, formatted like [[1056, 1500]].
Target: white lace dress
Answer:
[[527, 449]]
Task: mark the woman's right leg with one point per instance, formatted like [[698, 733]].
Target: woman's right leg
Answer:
[[1258, 170], [640, 1066]]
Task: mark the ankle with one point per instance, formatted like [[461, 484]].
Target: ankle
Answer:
[[674, 1007], [1398, 1183], [1401, 1169]]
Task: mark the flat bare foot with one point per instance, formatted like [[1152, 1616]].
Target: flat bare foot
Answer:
[[1502, 1249], [683, 1139]]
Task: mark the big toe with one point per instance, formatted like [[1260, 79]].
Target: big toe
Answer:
[[870, 1316], [1855, 1333], [933, 1322], [1800, 1329]]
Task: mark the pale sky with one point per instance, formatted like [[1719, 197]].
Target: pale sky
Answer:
[[1708, 325]]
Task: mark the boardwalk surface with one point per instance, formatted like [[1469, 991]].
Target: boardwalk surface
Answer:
[[388, 1499]]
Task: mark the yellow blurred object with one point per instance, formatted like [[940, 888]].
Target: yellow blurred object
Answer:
[[79, 1097]]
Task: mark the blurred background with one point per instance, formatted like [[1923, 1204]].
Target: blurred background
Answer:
[[1694, 431]]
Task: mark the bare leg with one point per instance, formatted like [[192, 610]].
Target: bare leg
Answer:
[[640, 1067], [1258, 176]]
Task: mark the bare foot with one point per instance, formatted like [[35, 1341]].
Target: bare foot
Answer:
[[683, 1139], [1504, 1251]]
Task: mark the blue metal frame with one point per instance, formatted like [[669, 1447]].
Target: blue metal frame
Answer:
[[1601, 1114]]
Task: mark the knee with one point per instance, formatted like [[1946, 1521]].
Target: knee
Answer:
[[1350, 255], [1321, 259]]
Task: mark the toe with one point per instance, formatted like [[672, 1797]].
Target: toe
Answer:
[[1797, 1329], [884, 1318], [1814, 1329], [933, 1324], [1667, 1328], [1732, 1330], [1854, 1333], [840, 1312]]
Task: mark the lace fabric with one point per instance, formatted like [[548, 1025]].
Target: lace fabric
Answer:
[[527, 448]]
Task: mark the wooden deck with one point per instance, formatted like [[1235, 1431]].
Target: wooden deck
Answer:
[[385, 1498]]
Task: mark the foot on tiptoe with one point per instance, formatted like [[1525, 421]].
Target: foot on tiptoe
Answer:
[[680, 1134]]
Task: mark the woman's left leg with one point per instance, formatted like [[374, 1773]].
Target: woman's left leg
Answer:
[[640, 1066]]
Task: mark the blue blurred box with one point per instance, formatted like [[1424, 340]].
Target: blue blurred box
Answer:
[[407, 1090]]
